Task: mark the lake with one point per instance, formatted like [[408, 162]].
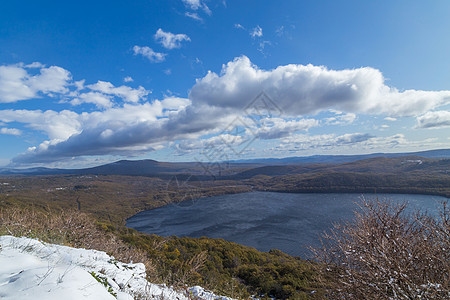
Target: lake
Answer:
[[264, 220]]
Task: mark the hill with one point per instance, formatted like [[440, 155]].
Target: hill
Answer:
[[154, 168], [337, 159]]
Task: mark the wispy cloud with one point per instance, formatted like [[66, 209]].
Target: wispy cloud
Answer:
[[324, 141], [194, 16], [170, 40], [257, 35], [340, 118], [256, 32], [127, 93], [98, 99], [193, 4], [148, 53], [390, 119], [196, 5], [276, 128], [128, 79], [10, 131]]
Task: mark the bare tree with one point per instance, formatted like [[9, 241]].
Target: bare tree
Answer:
[[386, 253]]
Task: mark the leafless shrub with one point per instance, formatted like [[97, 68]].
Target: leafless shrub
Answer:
[[389, 254]]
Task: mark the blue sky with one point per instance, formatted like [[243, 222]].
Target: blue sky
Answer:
[[89, 82]]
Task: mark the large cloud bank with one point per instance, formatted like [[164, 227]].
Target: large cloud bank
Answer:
[[300, 90], [125, 122]]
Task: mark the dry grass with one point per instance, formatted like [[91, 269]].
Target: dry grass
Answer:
[[71, 228]]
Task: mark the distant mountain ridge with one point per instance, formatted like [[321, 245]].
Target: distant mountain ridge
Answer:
[[122, 167], [272, 166], [335, 159], [373, 165]]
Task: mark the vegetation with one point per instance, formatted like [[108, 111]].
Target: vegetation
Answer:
[[114, 198], [103, 281], [387, 254], [224, 267], [352, 182], [71, 228], [90, 211], [229, 268], [110, 198]]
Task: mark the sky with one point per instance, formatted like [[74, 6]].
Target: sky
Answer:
[[84, 83]]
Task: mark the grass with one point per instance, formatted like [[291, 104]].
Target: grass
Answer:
[[104, 281], [70, 228]]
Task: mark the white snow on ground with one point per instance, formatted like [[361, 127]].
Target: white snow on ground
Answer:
[[30, 269]]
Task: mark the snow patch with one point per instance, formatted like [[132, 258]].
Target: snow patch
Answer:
[[31, 269]]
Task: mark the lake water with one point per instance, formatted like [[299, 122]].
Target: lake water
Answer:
[[285, 221]]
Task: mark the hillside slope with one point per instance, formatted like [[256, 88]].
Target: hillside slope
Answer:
[[35, 270]]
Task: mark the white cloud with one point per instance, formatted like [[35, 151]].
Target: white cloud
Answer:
[[100, 100], [262, 46], [300, 90], [239, 26], [14, 85], [352, 138], [175, 103], [170, 40], [35, 64], [51, 80], [219, 144], [79, 84], [275, 128], [324, 141], [128, 79], [207, 10], [149, 54], [347, 142], [391, 119], [17, 84], [127, 130], [56, 125], [194, 16], [256, 32], [394, 141], [135, 126], [193, 4], [280, 30], [341, 118], [127, 93], [434, 119], [197, 4], [10, 131]]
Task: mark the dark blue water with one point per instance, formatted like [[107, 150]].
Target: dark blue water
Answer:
[[285, 221]]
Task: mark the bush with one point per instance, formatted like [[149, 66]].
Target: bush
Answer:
[[389, 254]]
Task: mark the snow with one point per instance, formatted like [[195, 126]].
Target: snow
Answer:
[[30, 269]]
